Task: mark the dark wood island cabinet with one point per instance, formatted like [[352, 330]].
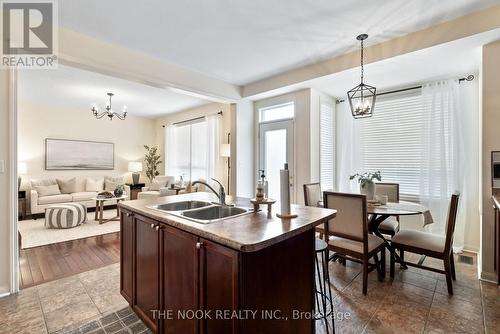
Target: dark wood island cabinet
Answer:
[[247, 274]]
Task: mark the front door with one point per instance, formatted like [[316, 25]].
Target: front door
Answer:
[[276, 148]]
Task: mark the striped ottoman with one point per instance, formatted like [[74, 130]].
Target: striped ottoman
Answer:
[[66, 215]]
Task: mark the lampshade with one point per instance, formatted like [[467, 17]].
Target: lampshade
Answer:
[[22, 168], [135, 166], [225, 150]]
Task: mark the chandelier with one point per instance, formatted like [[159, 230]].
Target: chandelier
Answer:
[[362, 97], [109, 111]]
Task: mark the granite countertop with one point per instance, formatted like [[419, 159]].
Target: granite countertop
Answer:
[[247, 233]]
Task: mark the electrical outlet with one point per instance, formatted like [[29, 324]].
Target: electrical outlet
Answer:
[[2, 166]]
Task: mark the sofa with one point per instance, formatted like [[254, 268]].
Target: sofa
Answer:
[[161, 187], [47, 192]]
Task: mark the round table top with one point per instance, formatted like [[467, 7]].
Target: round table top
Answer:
[[401, 208], [124, 196]]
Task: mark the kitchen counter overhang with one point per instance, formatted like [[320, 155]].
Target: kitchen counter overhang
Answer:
[[246, 233]]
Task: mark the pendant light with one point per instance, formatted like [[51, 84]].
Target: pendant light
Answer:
[[362, 97]]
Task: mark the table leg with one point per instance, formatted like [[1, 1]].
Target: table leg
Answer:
[[117, 209], [101, 212], [96, 209], [375, 221]]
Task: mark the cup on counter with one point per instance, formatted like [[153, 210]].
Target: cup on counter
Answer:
[[382, 199]]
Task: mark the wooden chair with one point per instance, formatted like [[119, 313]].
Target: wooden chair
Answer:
[[423, 243], [389, 226], [348, 233], [312, 194], [313, 197]]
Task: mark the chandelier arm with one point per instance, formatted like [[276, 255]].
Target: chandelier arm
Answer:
[[101, 115], [120, 116]]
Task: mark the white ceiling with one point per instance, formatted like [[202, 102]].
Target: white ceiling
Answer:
[[74, 88], [242, 41], [454, 59]]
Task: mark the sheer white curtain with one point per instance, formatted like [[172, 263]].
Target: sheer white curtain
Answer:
[[348, 149], [450, 148]]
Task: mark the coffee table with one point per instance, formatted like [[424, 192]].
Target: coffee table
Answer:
[[99, 208]]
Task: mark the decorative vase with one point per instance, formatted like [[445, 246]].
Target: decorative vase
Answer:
[[368, 189], [118, 192]]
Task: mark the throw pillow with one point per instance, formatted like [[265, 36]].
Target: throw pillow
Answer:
[[67, 186], [94, 185], [156, 185], [43, 182], [110, 183], [47, 190]]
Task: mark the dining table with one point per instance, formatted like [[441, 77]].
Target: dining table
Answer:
[[378, 212]]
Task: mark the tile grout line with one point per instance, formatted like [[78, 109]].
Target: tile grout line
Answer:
[[41, 310], [429, 311], [482, 308]]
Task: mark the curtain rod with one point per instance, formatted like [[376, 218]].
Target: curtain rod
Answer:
[[193, 119], [470, 77]]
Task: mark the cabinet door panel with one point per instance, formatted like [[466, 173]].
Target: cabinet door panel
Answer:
[[180, 277], [146, 271], [219, 285], [126, 254]]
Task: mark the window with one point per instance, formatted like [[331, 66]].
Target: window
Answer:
[[327, 143], [391, 141], [277, 112], [187, 151]]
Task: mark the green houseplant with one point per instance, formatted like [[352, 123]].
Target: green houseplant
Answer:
[[366, 184], [152, 159]]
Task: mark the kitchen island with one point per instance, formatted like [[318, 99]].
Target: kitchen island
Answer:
[[251, 273]]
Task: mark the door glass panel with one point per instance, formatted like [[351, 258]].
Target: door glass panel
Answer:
[[275, 157]]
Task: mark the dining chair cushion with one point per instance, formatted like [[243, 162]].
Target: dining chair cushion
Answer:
[[356, 246], [389, 225], [391, 190], [313, 194], [419, 239]]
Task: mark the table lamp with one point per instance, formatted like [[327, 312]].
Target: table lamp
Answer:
[[135, 167]]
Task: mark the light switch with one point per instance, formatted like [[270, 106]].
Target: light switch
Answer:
[[2, 166]]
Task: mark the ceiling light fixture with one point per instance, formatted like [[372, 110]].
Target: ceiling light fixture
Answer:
[[109, 111], [362, 97]]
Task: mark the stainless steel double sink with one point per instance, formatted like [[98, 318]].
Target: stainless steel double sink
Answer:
[[200, 211]]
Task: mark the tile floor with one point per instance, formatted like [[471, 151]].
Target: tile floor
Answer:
[[415, 301]]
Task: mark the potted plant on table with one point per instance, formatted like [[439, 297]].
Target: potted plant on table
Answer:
[[366, 184], [152, 159]]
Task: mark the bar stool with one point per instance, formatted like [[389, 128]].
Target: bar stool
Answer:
[[323, 295]]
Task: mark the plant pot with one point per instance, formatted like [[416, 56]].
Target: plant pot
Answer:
[[368, 189], [118, 192]]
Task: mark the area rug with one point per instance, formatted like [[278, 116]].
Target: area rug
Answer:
[[34, 233]]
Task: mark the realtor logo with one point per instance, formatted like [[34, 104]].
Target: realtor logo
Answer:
[[29, 34]]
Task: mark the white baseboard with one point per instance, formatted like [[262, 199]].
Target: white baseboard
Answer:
[[488, 277], [4, 291]]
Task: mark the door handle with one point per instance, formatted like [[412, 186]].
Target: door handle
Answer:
[[129, 214], [152, 225], [157, 227], [199, 245]]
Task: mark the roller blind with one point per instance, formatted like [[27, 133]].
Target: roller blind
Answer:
[[391, 141], [327, 146]]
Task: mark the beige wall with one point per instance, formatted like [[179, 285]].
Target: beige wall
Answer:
[[490, 142], [204, 110], [37, 122], [6, 192]]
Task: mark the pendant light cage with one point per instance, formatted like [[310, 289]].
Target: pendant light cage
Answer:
[[362, 97]]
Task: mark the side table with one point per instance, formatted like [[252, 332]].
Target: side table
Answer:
[[21, 204], [135, 189]]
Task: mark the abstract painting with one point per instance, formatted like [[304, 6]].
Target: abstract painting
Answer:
[[61, 154]]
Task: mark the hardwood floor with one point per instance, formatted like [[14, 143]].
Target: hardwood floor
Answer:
[[47, 263]]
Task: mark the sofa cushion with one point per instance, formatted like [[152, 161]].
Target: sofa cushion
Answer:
[[43, 182], [44, 191], [61, 198], [148, 195], [110, 183], [94, 185], [67, 186], [83, 196]]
